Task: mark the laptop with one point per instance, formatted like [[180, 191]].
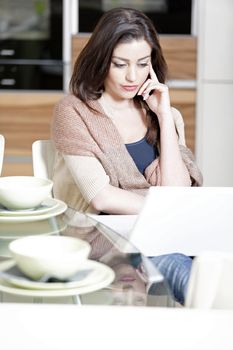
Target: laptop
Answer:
[[187, 220]]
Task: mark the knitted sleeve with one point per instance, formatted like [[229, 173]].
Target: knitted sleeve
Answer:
[[179, 125], [88, 174]]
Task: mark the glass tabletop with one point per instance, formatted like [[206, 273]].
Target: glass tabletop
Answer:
[[121, 274]]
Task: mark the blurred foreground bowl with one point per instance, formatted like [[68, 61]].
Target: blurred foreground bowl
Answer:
[[55, 256], [23, 192]]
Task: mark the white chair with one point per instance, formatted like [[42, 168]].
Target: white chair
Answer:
[[2, 149], [43, 155], [211, 281]]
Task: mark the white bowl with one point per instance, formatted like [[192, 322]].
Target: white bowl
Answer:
[[23, 192], [56, 256]]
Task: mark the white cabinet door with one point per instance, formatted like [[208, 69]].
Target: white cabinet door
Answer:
[[215, 131], [215, 35]]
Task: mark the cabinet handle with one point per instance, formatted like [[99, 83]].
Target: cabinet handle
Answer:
[[7, 82], [7, 52]]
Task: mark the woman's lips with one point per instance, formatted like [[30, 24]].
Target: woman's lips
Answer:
[[127, 279], [130, 87]]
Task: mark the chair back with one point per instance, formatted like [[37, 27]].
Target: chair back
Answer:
[[2, 149], [43, 155], [211, 281]]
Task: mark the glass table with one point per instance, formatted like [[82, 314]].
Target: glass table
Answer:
[[118, 273]]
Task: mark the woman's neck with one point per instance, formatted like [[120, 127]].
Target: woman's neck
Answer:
[[116, 104]]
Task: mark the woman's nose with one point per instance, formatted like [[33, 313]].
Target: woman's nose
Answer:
[[131, 74]]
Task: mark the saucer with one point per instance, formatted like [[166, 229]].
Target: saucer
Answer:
[[47, 205], [57, 208], [92, 275]]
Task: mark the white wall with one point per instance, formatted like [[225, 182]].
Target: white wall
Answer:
[[214, 146]]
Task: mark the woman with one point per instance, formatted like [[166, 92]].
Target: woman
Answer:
[[116, 134]]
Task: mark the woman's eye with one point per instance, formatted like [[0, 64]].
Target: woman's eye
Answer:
[[119, 65], [142, 65]]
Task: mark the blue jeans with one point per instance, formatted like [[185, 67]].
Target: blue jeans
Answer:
[[176, 270]]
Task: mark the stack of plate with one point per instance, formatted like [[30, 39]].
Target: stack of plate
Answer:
[[48, 208], [92, 276]]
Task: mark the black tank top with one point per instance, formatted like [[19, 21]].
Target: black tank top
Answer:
[[142, 153]]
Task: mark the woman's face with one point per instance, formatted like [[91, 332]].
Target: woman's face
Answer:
[[128, 287], [129, 69]]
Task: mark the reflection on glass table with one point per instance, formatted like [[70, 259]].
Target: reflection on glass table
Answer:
[[135, 275], [12, 230], [120, 276]]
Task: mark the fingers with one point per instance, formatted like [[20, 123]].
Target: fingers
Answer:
[[153, 83], [153, 87], [149, 86], [144, 86]]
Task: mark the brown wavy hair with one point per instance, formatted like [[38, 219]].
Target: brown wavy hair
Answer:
[[119, 25]]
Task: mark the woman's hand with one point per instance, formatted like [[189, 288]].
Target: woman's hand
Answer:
[[156, 95], [172, 168]]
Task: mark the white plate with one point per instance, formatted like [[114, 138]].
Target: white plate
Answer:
[[87, 274], [100, 277], [57, 210], [47, 205]]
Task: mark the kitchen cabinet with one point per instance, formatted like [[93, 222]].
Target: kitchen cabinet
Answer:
[[24, 118], [215, 127], [185, 101], [216, 44], [214, 92]]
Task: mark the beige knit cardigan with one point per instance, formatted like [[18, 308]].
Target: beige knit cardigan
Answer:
[[78, 130]]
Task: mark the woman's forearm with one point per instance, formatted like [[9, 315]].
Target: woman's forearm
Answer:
[[173, 169], [113, 200]]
